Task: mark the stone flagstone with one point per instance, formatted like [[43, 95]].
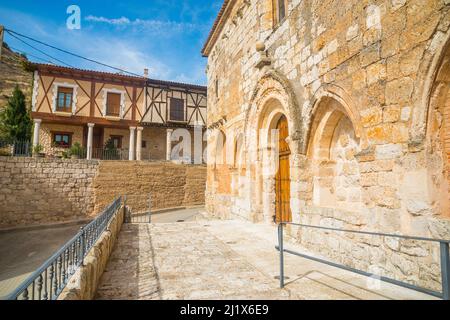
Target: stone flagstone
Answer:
[[223, 260]]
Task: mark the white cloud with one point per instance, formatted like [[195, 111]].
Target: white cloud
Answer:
[[150, 24], [120, 21]]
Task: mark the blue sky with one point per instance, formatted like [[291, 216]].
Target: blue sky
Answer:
[[165, 36]]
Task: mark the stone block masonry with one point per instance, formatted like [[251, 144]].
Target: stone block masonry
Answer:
[[364, 87], [40, 191]]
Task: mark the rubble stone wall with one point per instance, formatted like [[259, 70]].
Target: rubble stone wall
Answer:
[[38, 191]]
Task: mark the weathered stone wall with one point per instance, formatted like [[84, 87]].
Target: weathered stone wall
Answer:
[[39, 191], [83, 285], [371, 64], [170, 185]]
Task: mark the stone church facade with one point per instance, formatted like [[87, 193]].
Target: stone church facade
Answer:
[[364, 87]]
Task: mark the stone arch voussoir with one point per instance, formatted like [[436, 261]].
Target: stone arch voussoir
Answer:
[[425, 85], [273, 86], [345, 100]]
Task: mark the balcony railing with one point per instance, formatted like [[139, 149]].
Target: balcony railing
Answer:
[[100, 154], [47, 282], [110, 154], [16, 148], [25, 149]]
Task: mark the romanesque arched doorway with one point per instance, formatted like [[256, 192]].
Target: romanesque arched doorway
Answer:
[[272, 99], [282, 178]]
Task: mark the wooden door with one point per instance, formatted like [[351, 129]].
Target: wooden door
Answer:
[[282, 179], [97, 139]]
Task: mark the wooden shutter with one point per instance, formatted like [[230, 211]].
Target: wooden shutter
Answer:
[[113, 104], [177, 109], [64, 99]]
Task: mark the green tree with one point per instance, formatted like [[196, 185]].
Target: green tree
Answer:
[[15, 120]]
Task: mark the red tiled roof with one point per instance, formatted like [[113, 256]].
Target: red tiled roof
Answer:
[[217, 26], [118, 76]]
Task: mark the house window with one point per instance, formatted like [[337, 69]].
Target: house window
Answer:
[[116, 142], [177, 109], [113, 104], [144, 144], [64, 100], [62, 139], [279, 10]]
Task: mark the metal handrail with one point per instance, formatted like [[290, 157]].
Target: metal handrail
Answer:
[[369, 233], [444, 258], [49, 280], [16, 148], [138, 208]]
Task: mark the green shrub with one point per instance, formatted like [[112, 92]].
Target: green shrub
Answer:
[[76, 150], [38, 149], [15, 120]]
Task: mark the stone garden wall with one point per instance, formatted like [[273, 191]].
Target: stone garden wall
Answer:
[[37, 191]]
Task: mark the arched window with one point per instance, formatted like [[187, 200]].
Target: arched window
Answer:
[[279, 11]]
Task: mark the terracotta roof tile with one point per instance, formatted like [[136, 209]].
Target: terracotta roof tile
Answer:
[[41, 66]]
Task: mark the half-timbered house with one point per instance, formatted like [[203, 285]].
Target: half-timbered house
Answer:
[[111, 116]]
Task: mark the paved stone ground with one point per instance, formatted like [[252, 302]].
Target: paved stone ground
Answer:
[[23, 251], [182, 215], [223, 260]]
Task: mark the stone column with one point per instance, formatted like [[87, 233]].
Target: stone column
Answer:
[[89, 140], [37, 127], [169, 144], [139, 144], [132, 144]]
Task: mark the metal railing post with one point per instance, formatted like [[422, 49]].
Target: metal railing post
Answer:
[[281, 248], [48, 281], [445, 270], [125, 209], [83, 244]]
